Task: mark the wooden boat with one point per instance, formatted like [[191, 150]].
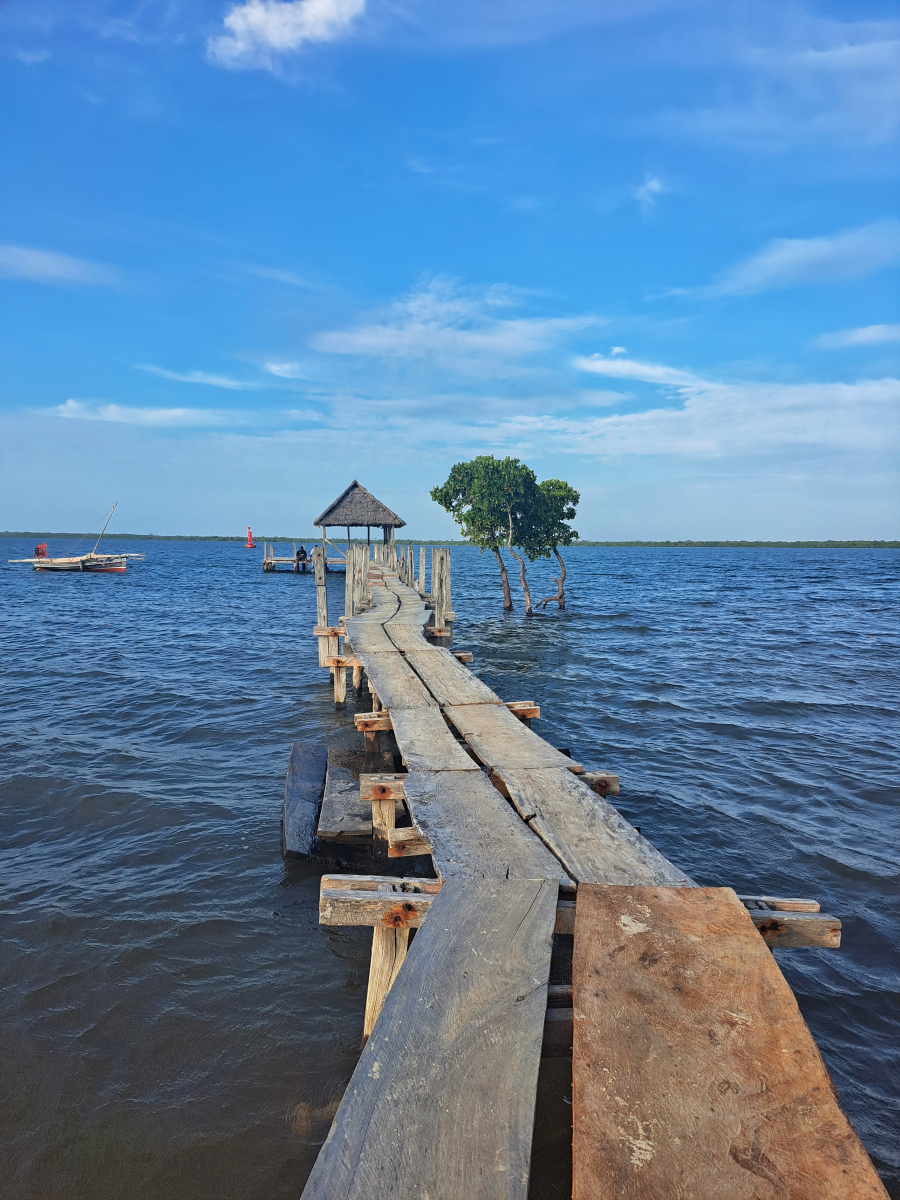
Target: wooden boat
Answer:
[[92, 561]]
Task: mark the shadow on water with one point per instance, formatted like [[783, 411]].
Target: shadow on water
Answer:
[[177, 1022]]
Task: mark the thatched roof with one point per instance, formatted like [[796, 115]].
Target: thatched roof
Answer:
[[355, 506]]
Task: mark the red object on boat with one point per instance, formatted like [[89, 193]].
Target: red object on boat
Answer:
[[41, 550], [249, 544]]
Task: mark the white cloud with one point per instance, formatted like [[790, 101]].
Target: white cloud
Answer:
[[648, 193], [629, 368], [793, 262], [455, 329], [818, 81], [260, 30], [219, 381], [159, 417], [45, 266], [869, 335]]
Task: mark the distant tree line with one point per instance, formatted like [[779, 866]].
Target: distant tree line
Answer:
[[498, 502]]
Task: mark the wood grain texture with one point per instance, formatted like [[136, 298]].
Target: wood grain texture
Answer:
[[426, 743], [368, 637], [585, 832], [790, 930], [389, 947], [343, 817], [397, 684], [500, 739], [455, 1122], [302, 794], [473, 831], [408, 637], [694, 1074], [448, 680]]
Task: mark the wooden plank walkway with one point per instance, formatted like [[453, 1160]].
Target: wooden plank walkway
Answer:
[[694, 1074], [441, 1104]]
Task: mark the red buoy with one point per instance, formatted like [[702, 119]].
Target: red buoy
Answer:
[[249, 544]]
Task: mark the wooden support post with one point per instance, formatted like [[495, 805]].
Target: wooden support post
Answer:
[[321, 602], [349, 592], [357, 678], [340, 685], [421, 570], [383, 820], [389, 946]]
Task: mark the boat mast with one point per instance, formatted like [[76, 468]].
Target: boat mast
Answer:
[[103, 530]]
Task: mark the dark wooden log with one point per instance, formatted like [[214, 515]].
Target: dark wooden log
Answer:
[[302, 796]]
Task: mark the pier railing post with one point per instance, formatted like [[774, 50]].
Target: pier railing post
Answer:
[[421, 587]]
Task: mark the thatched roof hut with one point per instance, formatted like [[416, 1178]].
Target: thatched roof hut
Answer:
[[355, 508]]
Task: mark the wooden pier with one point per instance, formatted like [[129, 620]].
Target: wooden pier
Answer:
[[544, 924]]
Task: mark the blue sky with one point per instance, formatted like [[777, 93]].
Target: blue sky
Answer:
[[253, 250]]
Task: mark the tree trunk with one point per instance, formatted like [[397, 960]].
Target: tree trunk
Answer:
[[507, 598], [521, 562], [561, 582]]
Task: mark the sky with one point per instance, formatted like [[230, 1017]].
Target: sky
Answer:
[[252, 250]]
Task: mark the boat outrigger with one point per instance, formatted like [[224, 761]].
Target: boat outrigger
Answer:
[[92, 561]]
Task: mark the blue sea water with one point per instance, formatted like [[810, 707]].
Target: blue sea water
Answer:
[[178, 1025]]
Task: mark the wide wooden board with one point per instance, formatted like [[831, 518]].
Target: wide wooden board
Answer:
[[408, 637], [694, 1074], [344, 817], [473, 831], [302, 793], [426, 743], [441, 1104], [395, 682], [500, 739], [585, 832], [448, 680], [368, 637]]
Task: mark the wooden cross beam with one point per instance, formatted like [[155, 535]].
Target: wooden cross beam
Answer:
[[525, 710]]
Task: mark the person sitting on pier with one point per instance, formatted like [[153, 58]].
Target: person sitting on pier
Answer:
[[301, 557]]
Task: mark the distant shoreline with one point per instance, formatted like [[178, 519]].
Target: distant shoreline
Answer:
[[313, 540]]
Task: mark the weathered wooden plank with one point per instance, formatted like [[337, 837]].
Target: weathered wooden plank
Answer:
[[368, 637], [302, 794], [693, 1071], [426, 743], [396, 683], [472, 830], [781, 904], [407, 843], [584, 831], [344, 817], [379, 883], [448, 680], [499, 739], [387, 909], [408, 638], [790, 930], [441, 1104], [601, 782], [381, 786]]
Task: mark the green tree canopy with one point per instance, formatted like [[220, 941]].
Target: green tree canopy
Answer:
[[488, 498]]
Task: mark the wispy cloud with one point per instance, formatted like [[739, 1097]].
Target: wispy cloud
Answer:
[[45, 266], [793, 262], [261, 30], [821, 81], [868, 335], [648, 193], [219, 381], [454, 328], [97, 410], [629, 368], [278, 275]]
